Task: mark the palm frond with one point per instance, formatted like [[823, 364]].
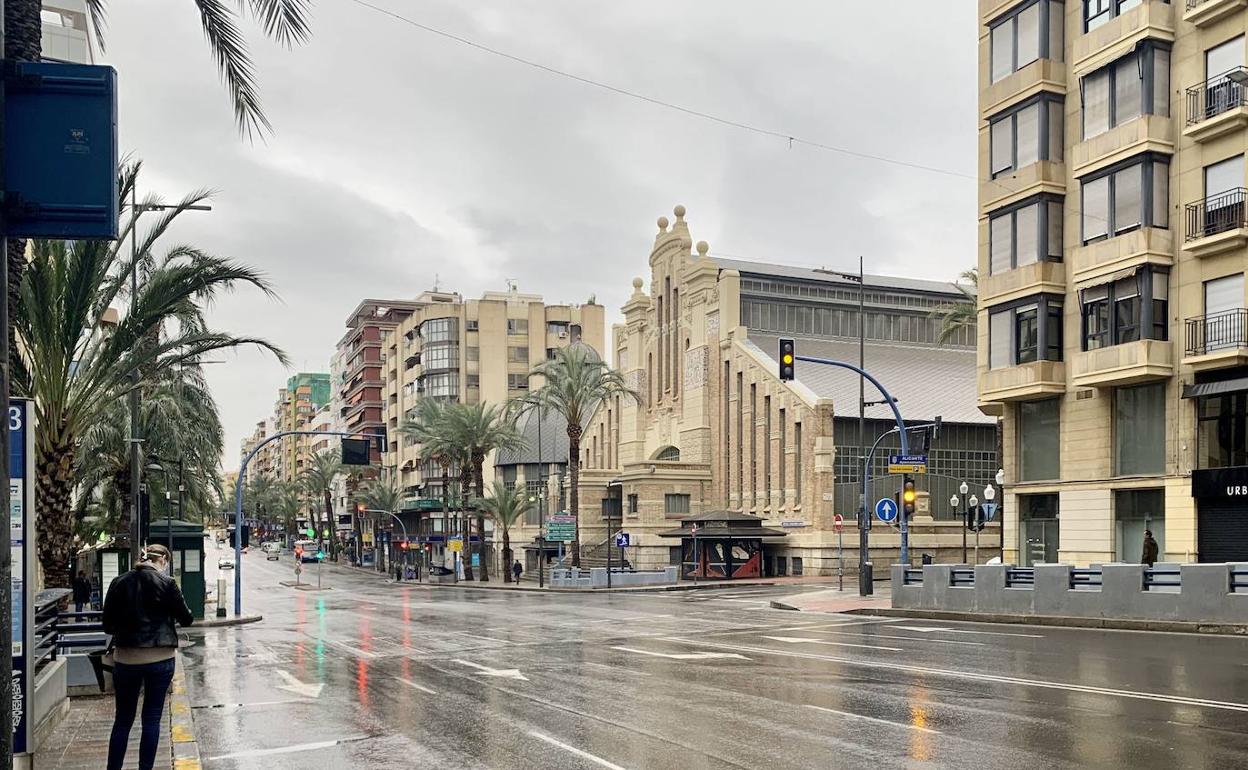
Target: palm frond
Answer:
[[234, 65], [286, 21]]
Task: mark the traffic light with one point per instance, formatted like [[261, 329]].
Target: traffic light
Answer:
[[359, 509], [311, 532], [908, 496], [403, 546], [787, 359]]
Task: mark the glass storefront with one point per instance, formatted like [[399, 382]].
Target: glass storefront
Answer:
[[1038, 532], [1136, 510]]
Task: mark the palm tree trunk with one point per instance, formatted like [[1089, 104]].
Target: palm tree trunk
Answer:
[[574, 494], [478, 471], [506, 556], [23, 29], [329, 515], [465, 489], [446, 510], [54, 483]]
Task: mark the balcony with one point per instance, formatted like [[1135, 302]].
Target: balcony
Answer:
[[1040, 177], [1040, 75], [1203, 13], [1217, 341], [1036, 278], [1025, 382], [1125, 364], [1147, 133], [1216, 224], [1117, 37], [1148, 245], [1218, 107]]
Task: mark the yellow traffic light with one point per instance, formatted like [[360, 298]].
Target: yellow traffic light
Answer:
[[786, 359]]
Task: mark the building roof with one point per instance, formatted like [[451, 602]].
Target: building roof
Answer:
[[823, 275], [554, 448], [926, 381]]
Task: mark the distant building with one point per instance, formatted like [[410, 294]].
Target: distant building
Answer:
[[65, 35]]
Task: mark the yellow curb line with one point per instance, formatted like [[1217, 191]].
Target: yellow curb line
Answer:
[[182, 735], [186, 764], [179, 707]]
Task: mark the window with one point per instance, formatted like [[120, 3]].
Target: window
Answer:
[[517, 382], [1026, 331], [440, 385], [474, 380], [1126, 310], [1135, 85], [518, 355], [797, 565], [1038, 530], [440, 330], [1028, 33], [753, 444], [472, 325], [767, 450], [440, 356], [740, 439], [1137, 510], [797, 461], [1098, 12], [1027, 134], [472, 353], [669, 454], [552, 353], [675, 504], [783, 477], [517, 326], [1038, 455], [1027, 233], [1224, 316], [557, 327], [1125, 198], [1140, 429], [1224, 196], [1222, 430], [632, 504]]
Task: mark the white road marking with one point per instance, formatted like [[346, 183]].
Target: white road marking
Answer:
[[230, 707], [613, 669], [574, 750], [930, 629], [413, 685], [299, 688], [806, 640], [506, 673], [811, 627], [287, 749], [919, 639], [703, 655], [873, 719], [353, 650], [1181, 700]]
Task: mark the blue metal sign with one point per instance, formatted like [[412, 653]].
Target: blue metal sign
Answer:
[[907, 463], [886, 509], [621, 540], [22, 534], [990, 511]]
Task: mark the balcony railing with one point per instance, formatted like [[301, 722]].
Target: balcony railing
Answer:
[[1217, 95], [1217, 331], [1216, 214]]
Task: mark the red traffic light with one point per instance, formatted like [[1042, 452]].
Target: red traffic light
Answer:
[[403, 545]]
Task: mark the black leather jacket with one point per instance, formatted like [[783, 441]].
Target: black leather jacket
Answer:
[[141, 608]]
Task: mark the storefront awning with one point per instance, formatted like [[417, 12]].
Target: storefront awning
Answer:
[[1198, 389], [712, 533]]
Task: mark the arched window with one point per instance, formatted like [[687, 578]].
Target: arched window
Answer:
[[668, 453]]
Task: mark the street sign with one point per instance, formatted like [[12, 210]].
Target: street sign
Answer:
[[456, 544], [621, 540], [298, 568], [561, 527], [886, 509], [22, 552], [990, 511], [838, 521], [907, 463]]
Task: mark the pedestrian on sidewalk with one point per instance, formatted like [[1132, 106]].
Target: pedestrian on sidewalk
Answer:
[[139, 612], [517, 570], [82, 592], [1149, 556]]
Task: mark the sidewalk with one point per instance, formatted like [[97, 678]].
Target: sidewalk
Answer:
[[80, 741], [833, 600]]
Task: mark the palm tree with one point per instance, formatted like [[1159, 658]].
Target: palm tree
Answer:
[[77, 366], [381, 494], [480, 429], [506, 506], [960, 314], [285, 21], [576, 381], [431, 427], [318, 479]]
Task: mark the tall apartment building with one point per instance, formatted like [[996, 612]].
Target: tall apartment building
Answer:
[[360, 378], [305, 393], [64, 32], [471, 351], [1112, 249]]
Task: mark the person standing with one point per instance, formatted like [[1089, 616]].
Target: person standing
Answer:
[[1149, 556], [82, 591], [517, 570], [139, 612]]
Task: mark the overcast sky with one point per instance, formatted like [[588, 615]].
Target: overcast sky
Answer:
[[399, 155]]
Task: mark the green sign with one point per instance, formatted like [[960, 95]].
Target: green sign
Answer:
[[311, 532], [561, 528]]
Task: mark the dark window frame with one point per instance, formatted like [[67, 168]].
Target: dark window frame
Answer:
[[1044, 135], [1149, 162], [1045, 48], [1043, 216], [1145, 55], [1152, 314], [1112, 10], [1046, 306], [1231, 429]]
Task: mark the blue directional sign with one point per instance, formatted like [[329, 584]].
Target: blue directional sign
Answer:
[[886, 509], [621, 540], [907, 463], [990, 510]]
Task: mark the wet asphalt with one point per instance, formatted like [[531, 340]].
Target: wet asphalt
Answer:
[[368, 674]]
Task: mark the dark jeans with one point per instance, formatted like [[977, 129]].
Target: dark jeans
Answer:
[[153, 680], [78, 606]]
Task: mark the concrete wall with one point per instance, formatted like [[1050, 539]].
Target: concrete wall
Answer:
[[597, 578], [1204, 595]]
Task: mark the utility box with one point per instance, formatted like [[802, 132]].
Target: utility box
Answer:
[[188, 558], [60, 151]]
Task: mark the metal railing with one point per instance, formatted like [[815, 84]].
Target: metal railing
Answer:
[[962, 576], [912, 576], [1020, 576], [1216, 214], [1239, 580], [1085, 578], [1217, 331], [1161, 577], [47, 632], [1217, 95]]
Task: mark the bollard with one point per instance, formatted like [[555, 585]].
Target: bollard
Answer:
[[220, 597]]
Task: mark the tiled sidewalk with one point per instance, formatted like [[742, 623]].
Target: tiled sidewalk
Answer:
[[80, 741]]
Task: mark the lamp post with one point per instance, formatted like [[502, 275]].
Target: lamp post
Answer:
[[954, 504], [161, 464], [971, 505], [989, 494], [963, 489]]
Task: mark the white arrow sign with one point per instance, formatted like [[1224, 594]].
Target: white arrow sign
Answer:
[[299, 688], [804, 640], [929, 629], [507, 673], [682, 655]]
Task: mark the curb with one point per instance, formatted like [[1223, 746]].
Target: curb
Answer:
[[1063, 621], [232, 620], [471, 585], [181, 723], [783, 606]]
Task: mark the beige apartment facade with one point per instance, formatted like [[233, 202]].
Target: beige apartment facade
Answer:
[[469, 351], [1112, 251]]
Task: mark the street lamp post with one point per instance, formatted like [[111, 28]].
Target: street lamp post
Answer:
[[401, 526], [973, 504], [963, 489], [989, 494]]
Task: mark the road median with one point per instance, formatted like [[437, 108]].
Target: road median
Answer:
[[1059, 621]]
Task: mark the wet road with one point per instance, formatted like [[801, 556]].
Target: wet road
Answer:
[[371, 675]]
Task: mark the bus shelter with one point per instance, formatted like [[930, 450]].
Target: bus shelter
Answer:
[[723, 545]]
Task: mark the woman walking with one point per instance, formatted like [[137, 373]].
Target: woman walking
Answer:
[[139, 611]]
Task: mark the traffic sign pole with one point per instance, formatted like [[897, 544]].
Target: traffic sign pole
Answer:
[[838, 522]]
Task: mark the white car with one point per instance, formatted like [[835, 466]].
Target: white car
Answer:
[[271, 547], [225, 562]]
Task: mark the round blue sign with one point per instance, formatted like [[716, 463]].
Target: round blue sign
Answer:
[[886, 509]]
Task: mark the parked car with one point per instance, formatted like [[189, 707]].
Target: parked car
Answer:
[[225, 562]]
